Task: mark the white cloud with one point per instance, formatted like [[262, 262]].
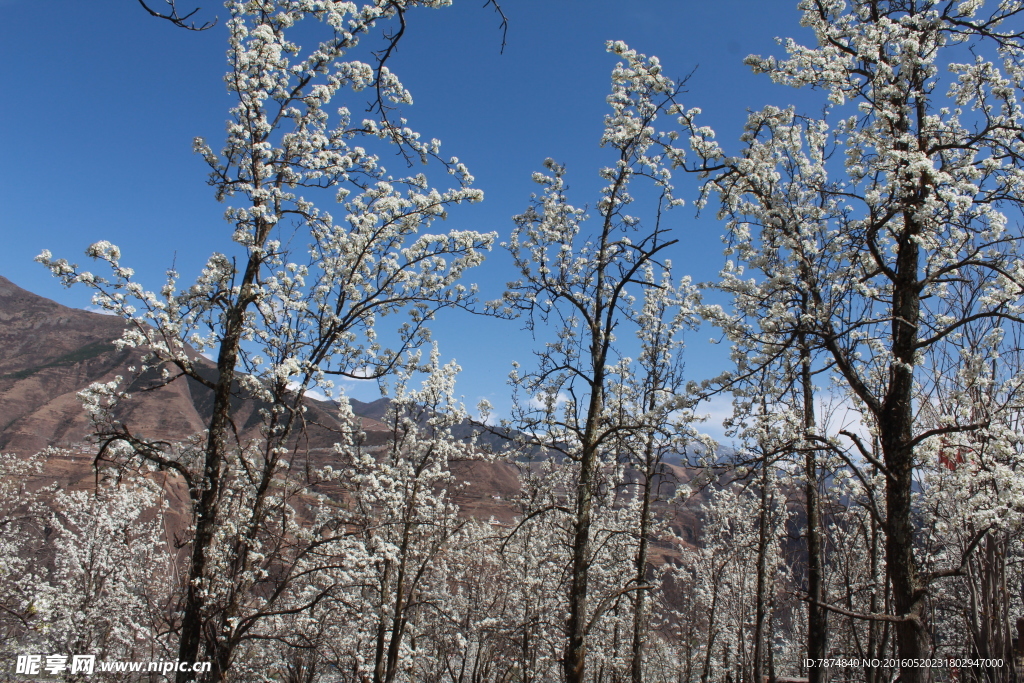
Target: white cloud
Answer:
[[833, 413], [837, 413], [317, 395], [311, 393], [96, 309], [717, 410]]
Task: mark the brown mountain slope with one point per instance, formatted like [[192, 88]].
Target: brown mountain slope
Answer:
[[49, 353]]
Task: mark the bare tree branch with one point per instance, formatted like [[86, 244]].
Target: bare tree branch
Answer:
[[964, 559], [895, 618], [504, 22], [177, 19]]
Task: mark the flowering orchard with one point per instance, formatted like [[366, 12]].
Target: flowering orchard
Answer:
[[867, 523]]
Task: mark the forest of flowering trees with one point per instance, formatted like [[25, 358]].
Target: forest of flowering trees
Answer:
[[866, 525]]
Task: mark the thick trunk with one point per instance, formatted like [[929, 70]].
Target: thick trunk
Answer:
[[194, 612], [575, 659], [193, 616], [908, 596], [895, 426]]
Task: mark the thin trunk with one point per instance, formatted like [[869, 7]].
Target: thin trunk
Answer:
[[527, 664], [382, 628], [875, 646], [399, 620], [989, 610], [817, 616], [398, 623], [762, 579], [574, 663], [705, 673], [640, 596]]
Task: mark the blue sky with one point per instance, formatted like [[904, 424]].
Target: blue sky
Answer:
[[102, 104]]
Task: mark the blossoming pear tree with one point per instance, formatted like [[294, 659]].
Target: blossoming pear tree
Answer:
[[403, 509], [295, 298], [582, 286], [973, 503], [896, 213], [110, 590]]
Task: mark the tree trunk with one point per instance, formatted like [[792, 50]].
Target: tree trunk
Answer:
[[640, 596], [895, 426], [876, 641], [193, 615], [817, 616], [760, 611], [575, 660]]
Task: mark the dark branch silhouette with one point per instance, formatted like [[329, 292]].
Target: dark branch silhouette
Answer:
[[177, 19]]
